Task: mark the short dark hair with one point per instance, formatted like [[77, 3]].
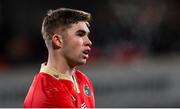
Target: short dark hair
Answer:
[[62, 17]]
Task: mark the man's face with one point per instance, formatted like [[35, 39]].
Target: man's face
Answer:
[[76, 44]]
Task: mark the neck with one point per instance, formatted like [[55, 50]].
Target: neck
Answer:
[[60, 64]]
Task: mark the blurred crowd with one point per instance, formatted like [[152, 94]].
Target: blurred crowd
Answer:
[[121, 30]]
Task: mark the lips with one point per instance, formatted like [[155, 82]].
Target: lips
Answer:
[[86, 53]]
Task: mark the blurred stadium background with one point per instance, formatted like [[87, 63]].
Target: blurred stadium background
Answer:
[[135, 55]]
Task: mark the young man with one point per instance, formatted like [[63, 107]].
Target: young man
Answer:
[[59, 84]]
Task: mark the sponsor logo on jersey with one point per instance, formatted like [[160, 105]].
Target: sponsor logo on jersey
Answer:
[[87, 90]]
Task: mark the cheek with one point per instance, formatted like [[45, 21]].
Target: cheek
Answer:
[[75, 45], [77, 42]]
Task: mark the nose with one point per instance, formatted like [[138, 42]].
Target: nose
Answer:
[[87, 41]]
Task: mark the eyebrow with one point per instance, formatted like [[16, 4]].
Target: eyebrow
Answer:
[[83, 31]]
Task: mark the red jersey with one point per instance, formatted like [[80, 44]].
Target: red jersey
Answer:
[[51, 89]]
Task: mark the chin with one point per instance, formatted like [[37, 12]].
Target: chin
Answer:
[[82, 62]]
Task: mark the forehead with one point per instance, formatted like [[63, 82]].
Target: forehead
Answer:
[[78, 26]]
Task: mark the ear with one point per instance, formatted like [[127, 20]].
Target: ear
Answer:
[[57, 41]]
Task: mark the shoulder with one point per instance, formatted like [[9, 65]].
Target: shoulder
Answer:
[[45, 84], [44, 80], [81, 75], [42, 77], [45, 91], [84, 82]]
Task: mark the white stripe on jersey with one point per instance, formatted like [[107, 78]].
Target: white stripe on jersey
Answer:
[[83, 106]]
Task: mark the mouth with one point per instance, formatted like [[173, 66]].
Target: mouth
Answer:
[[86, 53]]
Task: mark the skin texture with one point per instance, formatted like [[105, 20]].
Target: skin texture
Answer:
[[70, 49], [75, 43]]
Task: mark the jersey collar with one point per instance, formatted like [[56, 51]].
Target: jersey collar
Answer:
[[58, 75]]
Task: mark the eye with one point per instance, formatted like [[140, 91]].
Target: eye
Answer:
[[81, 34]]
